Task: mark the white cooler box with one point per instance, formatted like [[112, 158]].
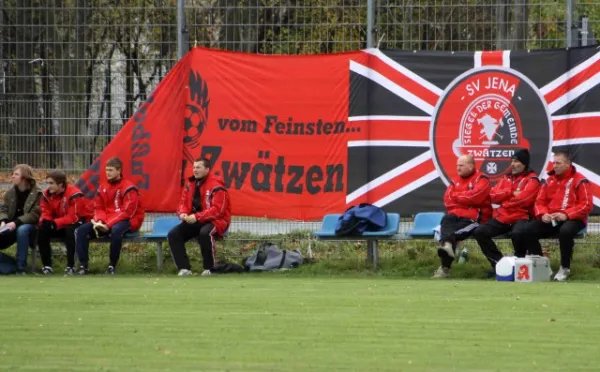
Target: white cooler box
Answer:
[[532, 269]]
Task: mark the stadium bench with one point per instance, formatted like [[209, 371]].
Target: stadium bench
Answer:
[[158, 235], [424, 224], [388, 232]]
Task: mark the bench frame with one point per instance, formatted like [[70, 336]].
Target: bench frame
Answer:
[[372, 244]]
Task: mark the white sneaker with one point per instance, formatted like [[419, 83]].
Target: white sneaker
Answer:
[[441, 272], [206, 272], [185, 272], [47, 270], [447, 247], [562, 275]]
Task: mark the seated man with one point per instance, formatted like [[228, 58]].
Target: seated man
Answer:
[[64, 209], [19, 214], [117, 210], [204, 211], [467, 201], [562, 207], [515, 193]]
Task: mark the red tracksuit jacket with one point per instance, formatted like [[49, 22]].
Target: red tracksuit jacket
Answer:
[[119, 201], [214, 199], [570, 194], [514, 208], [66, 208], [469, 197]]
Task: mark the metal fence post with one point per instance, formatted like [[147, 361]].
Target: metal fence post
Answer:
[[569, 25], [585, 31], [180, 22], [370, 22], [2, 76]]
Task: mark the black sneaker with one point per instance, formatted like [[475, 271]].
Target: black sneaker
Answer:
[[69, 271], [82, 270], [110, 270], [47, 270]]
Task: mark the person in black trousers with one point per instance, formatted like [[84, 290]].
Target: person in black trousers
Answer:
[[515, 194], [204, 211], [562, 207], [63, 209]]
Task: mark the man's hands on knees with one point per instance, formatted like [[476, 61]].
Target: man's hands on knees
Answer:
[[190, 219], [99, 227], [11, 226], [559, 216]]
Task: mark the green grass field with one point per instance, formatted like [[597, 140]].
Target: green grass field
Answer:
[[285, 322]]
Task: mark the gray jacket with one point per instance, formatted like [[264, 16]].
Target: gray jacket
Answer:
[[31, 210]]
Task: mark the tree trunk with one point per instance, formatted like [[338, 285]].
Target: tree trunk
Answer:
[[48, 139], [25, 130], [502, 19], [521, 22]]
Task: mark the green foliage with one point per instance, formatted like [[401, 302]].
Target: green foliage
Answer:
[[403, 259]]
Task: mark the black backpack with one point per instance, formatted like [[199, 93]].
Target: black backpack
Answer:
[[8, 265]]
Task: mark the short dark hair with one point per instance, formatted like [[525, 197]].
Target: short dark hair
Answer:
[[204, 161], [565, 155], [59, 177], [115, 163]]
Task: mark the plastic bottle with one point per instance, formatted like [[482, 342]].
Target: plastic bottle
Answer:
[[464, 256]]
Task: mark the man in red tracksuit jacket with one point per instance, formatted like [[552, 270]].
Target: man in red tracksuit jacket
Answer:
[[117, 210], [562, 207], [205, 212], [515, 194], [467, 201], [63, 209]]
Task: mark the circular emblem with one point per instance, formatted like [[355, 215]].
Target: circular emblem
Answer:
[[196, 111], [193, 124], [490, 113]]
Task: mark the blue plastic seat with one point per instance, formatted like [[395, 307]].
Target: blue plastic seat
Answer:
[[392, 224], [581, 234], [328, 225], [161, 228], [330, 222], [424, 224]]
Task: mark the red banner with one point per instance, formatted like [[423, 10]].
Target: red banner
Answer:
[[275, 128], [150, 146], [296, 137]]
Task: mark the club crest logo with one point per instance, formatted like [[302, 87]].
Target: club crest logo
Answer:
[[196, 111], [490, 113]]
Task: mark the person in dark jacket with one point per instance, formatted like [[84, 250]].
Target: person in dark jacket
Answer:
[[562, 207], [63, 209], [467, 201], [19, 214], [205, 213], [515, 194]]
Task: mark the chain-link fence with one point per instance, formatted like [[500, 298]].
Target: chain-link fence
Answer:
[[73, 71]]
